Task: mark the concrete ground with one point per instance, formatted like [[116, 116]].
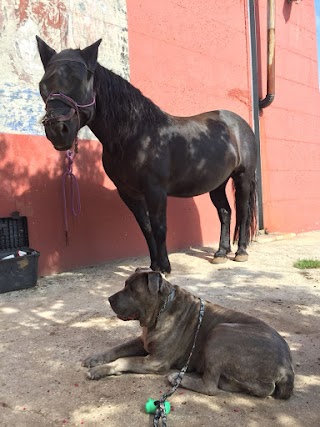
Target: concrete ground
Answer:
[[46, 331]]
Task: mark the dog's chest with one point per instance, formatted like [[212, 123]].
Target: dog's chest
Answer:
[[153, 339], [144, 338]]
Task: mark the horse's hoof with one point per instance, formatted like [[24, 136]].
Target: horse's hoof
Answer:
[[219, 260], [166, 271], [241, 258]]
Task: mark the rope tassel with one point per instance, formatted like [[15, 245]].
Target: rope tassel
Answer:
[[74, 192]]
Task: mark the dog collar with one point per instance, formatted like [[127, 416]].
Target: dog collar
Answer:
[[169, 299]]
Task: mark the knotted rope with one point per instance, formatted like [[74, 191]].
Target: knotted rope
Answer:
[[74, 192]]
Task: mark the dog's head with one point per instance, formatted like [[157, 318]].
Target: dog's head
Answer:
[[143, 296]]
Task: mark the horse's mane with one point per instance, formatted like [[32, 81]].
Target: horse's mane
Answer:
[[118, 101]]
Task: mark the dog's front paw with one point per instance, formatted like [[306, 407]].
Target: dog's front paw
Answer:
[[95, 373], [172, 378], [102, 371], [92, 361]]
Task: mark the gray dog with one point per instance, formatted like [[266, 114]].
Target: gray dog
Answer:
[[234, 352]]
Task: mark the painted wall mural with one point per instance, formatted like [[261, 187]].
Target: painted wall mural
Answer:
[[61, 23]]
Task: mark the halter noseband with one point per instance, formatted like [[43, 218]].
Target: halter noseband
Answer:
[[75, 108]]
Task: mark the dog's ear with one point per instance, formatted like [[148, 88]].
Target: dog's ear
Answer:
[[155, 281]]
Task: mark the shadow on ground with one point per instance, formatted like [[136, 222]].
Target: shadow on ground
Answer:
[[46, 332]]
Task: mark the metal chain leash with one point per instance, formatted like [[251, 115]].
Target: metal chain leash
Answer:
[[160, 411]]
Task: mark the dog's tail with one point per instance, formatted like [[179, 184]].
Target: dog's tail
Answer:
[[284, 387]]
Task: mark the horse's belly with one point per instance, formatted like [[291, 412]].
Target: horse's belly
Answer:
[[192, 183], [196, 186]]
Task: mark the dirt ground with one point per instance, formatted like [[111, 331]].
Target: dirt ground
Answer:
[[46, 331]]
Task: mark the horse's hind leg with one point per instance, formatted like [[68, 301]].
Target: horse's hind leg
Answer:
[[139, 210], [245, 195], [220, 201]]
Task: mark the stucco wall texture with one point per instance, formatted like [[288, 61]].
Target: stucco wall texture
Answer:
[[188, 56], [290, 127]]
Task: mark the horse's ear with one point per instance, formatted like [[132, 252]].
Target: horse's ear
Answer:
[[46, 52], [90, 55]]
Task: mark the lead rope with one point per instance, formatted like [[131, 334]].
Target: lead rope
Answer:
[[49, 119], [160, 411], [74, 193]]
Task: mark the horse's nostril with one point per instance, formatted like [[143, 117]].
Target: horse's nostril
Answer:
[[64, 128]]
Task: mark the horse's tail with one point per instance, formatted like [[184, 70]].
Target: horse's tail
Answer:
[[251, 224], [284, 387]]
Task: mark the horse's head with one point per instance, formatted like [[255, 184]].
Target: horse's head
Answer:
[[67, 90]]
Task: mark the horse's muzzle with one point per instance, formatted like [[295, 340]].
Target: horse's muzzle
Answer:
[[61, 135], [62, 148]]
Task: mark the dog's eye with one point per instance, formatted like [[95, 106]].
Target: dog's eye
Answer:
[[127, 287]]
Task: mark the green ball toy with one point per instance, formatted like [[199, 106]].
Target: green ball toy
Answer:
[[151, 406]]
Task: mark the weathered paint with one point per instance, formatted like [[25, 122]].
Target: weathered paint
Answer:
[[65, 23], [30, 169]]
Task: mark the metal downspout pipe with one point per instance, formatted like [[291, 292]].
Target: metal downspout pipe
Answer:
[[263, 103], [255, 105]]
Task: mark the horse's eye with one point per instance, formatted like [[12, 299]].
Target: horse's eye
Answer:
[[44, 91]]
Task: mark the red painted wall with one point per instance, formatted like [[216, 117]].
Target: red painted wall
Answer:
[[30, 176], [194, 56], [290, 135], [188, 56], [104, 229]]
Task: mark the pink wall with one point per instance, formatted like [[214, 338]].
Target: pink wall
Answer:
[[190, 57], [30, 174], [290, 132]]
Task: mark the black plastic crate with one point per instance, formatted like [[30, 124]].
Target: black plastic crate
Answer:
[[17, 272]]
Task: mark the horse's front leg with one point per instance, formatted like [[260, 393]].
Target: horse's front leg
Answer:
[[156, 199], [140, 212]]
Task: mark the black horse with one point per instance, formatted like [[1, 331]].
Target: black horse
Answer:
[[149, 154]]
